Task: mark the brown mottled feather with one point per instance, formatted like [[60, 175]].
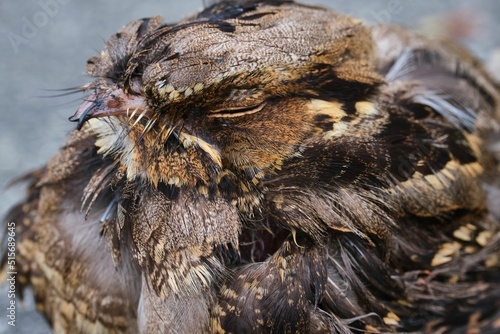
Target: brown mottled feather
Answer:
[[271, 167]]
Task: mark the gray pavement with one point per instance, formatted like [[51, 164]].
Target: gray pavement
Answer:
[[44, 45]]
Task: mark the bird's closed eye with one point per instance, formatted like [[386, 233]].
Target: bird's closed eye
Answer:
[[237, 111]]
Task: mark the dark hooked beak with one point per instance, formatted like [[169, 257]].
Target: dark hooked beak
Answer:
[[109, 103]]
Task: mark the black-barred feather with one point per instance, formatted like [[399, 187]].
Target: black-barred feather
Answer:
[[271, 167]]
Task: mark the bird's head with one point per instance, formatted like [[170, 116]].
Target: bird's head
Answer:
[[237, 89]]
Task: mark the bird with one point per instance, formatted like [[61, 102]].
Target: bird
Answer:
[[266, 166]]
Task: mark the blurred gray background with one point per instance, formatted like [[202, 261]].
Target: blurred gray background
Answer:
[[44, 45]]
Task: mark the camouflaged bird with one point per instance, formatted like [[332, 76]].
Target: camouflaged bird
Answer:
[[271, 167]]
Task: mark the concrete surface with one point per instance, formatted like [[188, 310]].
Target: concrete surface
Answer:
[[44, 45]]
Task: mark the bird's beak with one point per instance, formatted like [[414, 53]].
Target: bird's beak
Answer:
[[109, 103]]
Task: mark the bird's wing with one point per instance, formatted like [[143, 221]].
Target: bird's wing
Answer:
[[61, 250]]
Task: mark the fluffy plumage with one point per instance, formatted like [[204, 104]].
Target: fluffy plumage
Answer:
[[270, 167]]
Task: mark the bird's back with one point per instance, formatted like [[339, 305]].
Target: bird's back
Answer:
[[339, 179]]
